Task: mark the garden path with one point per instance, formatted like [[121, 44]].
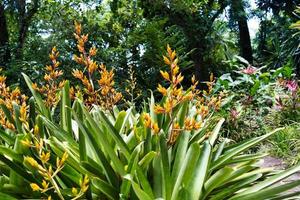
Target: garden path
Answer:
[[277, 163]]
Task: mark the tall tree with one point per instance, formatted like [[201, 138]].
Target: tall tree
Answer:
[[239, 15], [4, 38], [196, 19], [25, 12]]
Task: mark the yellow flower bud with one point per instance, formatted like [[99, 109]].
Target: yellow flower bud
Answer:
[[165, 75], [35, 187], [74, 191], [31, 161], [45, 157]]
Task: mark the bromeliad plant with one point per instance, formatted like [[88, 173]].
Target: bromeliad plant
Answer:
[[172, 150]]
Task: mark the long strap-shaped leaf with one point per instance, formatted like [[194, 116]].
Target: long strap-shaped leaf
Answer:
[[94, 141], [115, 135], [213, 137], [165, 168], [268, 192], [182, 147], [66, 118], [141, 194], [122, 120], [200, 172], [18, 169], [237, 150], [119, 166], [132, 165], [187, 168], [44, 111], [105, 188], [269, 181]]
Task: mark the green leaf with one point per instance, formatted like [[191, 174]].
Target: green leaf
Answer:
[[268, 192], [147, 159], [18, 123], [215, 133], [105, 188], [187, 168], [4, 196], [94, 141], [216, 179], [37, 97], [19, 169], [8, 138], [165, 168], [131, 168], [255, 87], [181, 150], [182, 113], [240, 148], [200, 172], [100, 137], [141, 194], [66, 117], [5, 151], [269, 181], [122, 120], [7, 113], [115, 135]]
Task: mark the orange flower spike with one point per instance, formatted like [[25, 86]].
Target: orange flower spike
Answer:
[[147, 120], [77, 59], [44, 157], [175, 70], [162, 90], [84, 38], [2, 79], [159, 109], [93, 51], [166, 60], [169, 50], [165, 75], [155, 128], [92, 67], [49, 68], [77, 74], [77, 28], [188, 96], [168, 106], [173, 55], [47, 77], [188, 124], [194, 82], [23, 113], [80, 48], [178, 79], [197, 125]]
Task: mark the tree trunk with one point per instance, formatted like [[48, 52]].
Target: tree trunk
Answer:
[[25, 16], [244, 36], [4, 38]]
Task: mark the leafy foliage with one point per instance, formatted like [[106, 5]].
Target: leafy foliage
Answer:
[[92, 152]]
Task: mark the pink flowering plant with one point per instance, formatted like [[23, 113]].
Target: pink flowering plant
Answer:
[[254, 93]]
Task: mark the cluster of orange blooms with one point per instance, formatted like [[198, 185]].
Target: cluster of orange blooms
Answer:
[[149, 123], [7, 98], [104, 95], [175, 95], [52, 85]]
